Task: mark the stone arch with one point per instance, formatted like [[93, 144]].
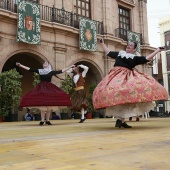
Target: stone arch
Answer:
[[17, 48], [83, 57]]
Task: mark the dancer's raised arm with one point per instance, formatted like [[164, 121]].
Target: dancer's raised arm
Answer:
[[159, 49], [105, 48], [66, 69], [22, 66], [85, 69]]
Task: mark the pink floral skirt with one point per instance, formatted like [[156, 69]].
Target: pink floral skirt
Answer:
[[123, 86]]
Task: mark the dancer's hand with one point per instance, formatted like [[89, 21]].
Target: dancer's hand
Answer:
[[73, 66], [101, 41], [18, 64], [162, 48]]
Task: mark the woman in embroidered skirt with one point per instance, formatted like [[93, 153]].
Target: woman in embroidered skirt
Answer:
[[78, 98], [45, 95], [126, 92]]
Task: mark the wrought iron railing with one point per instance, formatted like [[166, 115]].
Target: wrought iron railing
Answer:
[[122, 33], [5, 4], [52, 14]]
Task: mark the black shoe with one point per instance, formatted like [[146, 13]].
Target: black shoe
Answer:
[[41, 123], [82, 120], [48, 123], [130, 119], [118, 123], [124, 125]]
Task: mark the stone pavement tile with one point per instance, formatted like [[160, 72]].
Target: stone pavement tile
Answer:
[[5, 167], [93, 145], [14, 156], [43, 164]]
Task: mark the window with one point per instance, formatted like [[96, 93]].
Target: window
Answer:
[[168, 68], [124, 22], [82, 8], [167, 40]]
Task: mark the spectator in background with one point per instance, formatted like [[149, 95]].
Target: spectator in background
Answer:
[[72, 114], [29, 116], [55, 116]]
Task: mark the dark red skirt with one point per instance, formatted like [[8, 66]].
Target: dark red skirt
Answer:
[[46, 94]]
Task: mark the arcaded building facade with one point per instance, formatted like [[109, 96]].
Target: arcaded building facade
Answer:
[[165, 41], [60, 36]]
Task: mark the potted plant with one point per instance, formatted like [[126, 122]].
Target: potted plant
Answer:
[[90, 110], [37, 80], [67, 86], [77, 115], [36, 112], [10, 95], [3, 110], [64, 113]]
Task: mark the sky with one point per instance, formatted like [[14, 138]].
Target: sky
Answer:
[[156, 9]]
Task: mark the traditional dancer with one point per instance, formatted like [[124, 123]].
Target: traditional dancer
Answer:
[[45, 95], [126, 92], [78, 98]]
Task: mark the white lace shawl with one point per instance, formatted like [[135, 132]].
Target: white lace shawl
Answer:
[[45, 70], [123, 54]]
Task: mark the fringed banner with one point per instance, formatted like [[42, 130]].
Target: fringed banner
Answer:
[[29, 22], [88, 34]]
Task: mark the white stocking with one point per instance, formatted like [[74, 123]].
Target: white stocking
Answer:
[[47, 115], [123, 120], [82, 113], [42, 115]]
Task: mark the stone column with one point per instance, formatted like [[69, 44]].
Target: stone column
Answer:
[[60, 61], [143, 21], [107, 15]]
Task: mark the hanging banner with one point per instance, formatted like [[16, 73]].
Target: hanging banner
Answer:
[[28, 22], [88, 34], [134, 37]]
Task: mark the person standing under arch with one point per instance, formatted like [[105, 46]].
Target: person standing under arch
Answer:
[[125, 92], [78, 98], [45, 96]]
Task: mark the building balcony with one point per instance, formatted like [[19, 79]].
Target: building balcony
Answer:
[[122, 33], [52, 14]]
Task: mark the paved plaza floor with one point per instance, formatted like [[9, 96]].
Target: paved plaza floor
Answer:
[[93, 145]]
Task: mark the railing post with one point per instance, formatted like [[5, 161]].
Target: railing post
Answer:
[[72, 19], [63, 15], [102, 28], [53, 13], [7, 5]]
